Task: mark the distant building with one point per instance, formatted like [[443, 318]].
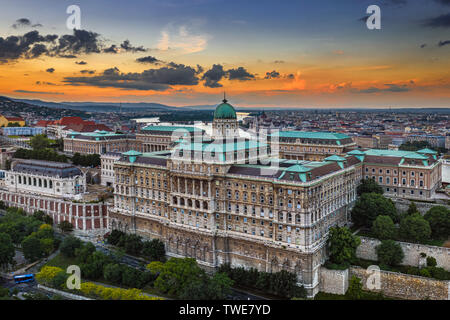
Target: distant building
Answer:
[[434, 141], [366, 142], [99, 142], [22, 131], [5, 120]]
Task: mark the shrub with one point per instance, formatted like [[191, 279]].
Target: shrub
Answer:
[[47, 274], [425, 273], [65, 226], [390, 252], [354, 290], [431, 262]]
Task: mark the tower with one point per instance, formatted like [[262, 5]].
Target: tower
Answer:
[[225, 123]]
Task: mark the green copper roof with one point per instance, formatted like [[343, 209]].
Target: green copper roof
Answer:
[[219, 147], [311, 135], [171, 128], [356, 152], [225, 111], [298, 168], [334, 158], [395, 153], [132, 153], [427, 151]]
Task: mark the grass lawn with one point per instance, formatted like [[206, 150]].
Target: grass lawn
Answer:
[[61, 262]]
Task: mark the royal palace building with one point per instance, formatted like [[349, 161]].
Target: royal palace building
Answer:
[[99, 142], [314, 146], [226, 199]]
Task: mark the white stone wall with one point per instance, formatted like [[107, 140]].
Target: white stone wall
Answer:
[[366, 250], [333, 281]]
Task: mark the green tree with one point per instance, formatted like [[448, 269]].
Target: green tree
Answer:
[[69, 245], [39, 142], [154, 250], [383, 227], [389, 253], [412, 209], [355, 288], [133, 244], [342, 245], [415, 228], [371, 205], [47, 245], [31, 247], [65, 226], [84, 252], [219, 286], [175, 274], [439, 219], [114, 237], [7, 250], [369, 185], [113, 272]]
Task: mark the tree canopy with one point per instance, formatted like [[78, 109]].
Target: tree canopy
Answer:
[[371, 205], [369, 185], [342, 245]]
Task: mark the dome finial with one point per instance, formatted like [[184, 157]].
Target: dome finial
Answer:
[[224, 98]]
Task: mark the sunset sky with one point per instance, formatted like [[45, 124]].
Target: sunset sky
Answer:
[[300, 53]]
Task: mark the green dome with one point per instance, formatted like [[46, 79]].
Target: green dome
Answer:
[[225, 111]]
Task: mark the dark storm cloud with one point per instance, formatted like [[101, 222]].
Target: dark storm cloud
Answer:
[[239, 74], [81, 62], [442, 21], [423, 45], [37, 92], [87, 71], [39, 83], [80, 42], [22, 22], [389, 88], [443, 43], [444, 2], [148, 59], [272, 75], [152, 79], [112, 49], [33, 45], [290, 76], [128, 47], [213, 76], [50, 70]]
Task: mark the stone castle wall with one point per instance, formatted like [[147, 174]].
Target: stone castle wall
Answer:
[[403, 204], [333, 281], [405, 286], [412, 251]]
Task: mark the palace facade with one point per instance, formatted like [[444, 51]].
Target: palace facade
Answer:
[[225, 200]]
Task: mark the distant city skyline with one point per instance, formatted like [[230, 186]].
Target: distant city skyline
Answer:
[[302, 54]]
